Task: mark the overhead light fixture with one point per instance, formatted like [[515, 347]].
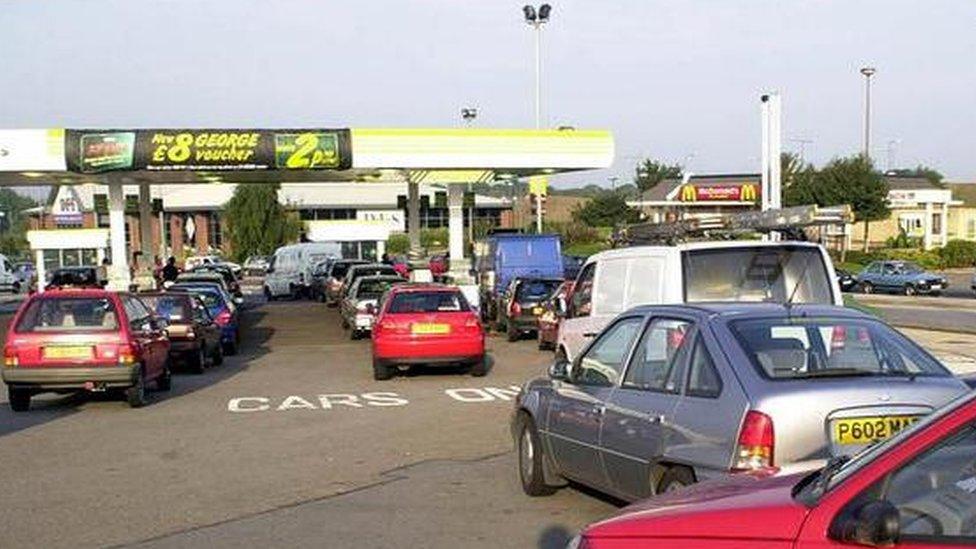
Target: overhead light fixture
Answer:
[[529, 11], [544, 10], [32, 174]]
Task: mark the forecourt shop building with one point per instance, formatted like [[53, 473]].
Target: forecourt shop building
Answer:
[[141, 158]]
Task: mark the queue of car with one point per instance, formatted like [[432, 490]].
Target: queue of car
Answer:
[[78, 336]]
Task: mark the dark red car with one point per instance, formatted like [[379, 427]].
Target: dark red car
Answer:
[[194, 335], [917, 489], [426, 324], [552, 316], [75, 340]]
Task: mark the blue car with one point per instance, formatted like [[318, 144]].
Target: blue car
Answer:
[[903, 277], [221, 307]]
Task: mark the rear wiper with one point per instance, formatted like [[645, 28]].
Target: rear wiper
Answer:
[[836, 372], [834, 464]]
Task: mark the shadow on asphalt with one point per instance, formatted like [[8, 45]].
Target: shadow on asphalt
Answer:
[[50, 407]]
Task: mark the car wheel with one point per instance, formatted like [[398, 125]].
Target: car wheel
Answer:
[[136, 394], [381, 371], [217, 357], [909, 290], [867, 288], [480, 367], [230, 348], [268, 295], [165, 380], [354, 334], [530, 460], [19, 399], [199, 361], [15, 288], [512, 333], [675, 478]]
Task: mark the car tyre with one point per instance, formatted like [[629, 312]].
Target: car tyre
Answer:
[[217, 357], [381, 372], [19, 399], [15, 288], [268, 295], [136, 394], [230, 347], [199, 361], [909, 290], [480, 367], [165, 380], [530, 460], [512, 333], [675, 478], [867, 288], [354, 334]]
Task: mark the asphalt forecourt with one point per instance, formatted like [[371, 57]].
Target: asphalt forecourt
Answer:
[[293, 426]]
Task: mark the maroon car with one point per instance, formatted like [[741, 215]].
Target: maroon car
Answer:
[[552, 317], [194, 336]]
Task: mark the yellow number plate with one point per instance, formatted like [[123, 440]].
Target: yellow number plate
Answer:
[[67, 352], [427, 329], [537, 311], [865, 430]]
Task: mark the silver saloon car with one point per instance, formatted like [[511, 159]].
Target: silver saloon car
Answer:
[[666, 396], [358, 306]]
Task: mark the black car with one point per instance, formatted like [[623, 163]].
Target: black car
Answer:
[[847, 281], [522, 304], [230, 279]]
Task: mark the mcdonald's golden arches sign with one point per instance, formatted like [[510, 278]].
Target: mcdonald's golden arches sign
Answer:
[[745, 192]]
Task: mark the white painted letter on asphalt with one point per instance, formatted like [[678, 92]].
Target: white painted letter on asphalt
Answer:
[[503, 394], [469, 395], [236, 404], [295, 403], [384, 399], [349, 400]]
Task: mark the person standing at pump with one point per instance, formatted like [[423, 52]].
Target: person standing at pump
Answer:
[[170, 271]]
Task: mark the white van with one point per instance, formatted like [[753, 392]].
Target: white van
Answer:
[[9, 281], [290, 270], [749, 271]]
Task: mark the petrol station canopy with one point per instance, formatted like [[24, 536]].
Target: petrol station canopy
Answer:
[[242, 155]]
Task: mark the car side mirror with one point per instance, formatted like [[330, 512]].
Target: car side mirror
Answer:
[[561, 306], [371, 309], [238, 300], [269, 270], [559, 370], [875, 524]]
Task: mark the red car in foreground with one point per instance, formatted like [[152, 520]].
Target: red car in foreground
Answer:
[[426, 324], [74, 340], [917, 489]]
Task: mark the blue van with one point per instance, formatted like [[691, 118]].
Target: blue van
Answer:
[[516, 255]]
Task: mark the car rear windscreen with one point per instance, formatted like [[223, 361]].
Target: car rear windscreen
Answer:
[[373, 289], [211, 297], [68, 314], [536, 290], [428, 302], [794, 348], [340, 269], [173, 307], [775, 274]]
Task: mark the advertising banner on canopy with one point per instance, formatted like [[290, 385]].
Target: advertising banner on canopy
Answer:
[[31, 150], [93, 151]]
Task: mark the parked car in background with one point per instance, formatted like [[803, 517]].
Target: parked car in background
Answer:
[[367, 269], [217, 279], [427, 324], [334, 278], [24, 277], [256, 265], [290, 271], [666, 396], [511, 255], [221, 309], [846, 280], [729, 271], [521, 305], [234, 268], [231, 281], [193, 335], [76, 277], [320, 275], [196, 260], [902, 277], [84, 340], [359, 307], [917, 489], [553, 309]]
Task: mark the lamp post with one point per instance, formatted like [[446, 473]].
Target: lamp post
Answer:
[[868, 72], [537, 18], [468, 114]]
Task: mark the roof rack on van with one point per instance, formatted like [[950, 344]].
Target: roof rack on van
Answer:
[[789, 221]]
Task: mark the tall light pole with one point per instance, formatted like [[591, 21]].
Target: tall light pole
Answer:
[[868, 72], [537, 18]]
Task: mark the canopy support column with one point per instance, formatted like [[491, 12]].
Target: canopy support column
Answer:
[[145, 226], [41, 270], [455, 227], [119, 275], [413, 217]]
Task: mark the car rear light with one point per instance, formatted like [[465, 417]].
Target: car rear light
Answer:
[[756, 442], [127, 355], [515, 309], [9, 357], [222, 318]]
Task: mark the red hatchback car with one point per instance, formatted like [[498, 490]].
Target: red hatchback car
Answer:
[[71, 340], [917, 489], [426, 324]]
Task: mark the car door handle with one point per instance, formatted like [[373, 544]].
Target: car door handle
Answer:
[[599, 409], [655, 418], [589, 334]]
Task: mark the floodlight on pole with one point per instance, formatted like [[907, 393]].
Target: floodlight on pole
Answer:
[[868, 72], [535, 19]]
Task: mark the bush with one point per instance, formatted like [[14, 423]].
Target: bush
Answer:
[[574, 233], [926, 259], [398, 244], [434, 239], [958, 253]]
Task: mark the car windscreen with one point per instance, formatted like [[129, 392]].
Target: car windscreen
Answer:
[[340, 269], [373, 289], [428, 302], [806, 348], [211, 296], [171, 306], [536, 290], [68, 314], [774, 274]]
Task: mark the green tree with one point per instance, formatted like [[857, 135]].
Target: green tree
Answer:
[[13, 223], [256, 222], [650, 173], [607, 209], [853, 180], [934, 176]]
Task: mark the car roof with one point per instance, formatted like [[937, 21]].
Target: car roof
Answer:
[[423, 287], [73, 292], [636, 251], [755, 310]]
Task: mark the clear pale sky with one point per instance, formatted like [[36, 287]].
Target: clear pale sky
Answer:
[[677, 81]]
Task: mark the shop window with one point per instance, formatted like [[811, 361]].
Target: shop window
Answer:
[[71, 258], [168, 228], [102, 220], [971, 229], [937, 223], [52, 260], [307, 215], [89, 257], [350, 250], [368, 250], [216, 238]]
